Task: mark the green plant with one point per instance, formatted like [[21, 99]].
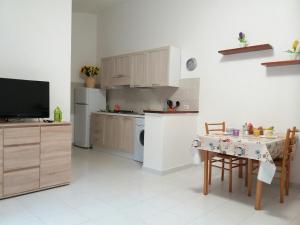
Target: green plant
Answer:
[[242, 38], [294, 48]]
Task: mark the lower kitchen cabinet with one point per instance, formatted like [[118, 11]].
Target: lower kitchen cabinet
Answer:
[[113, 132], [97, 129], [127, 136]]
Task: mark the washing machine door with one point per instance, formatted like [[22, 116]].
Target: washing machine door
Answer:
[[139, 145], [141, 138]]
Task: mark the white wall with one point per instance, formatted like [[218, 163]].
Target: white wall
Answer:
[[234, 88], [84, 43], [35, 43]]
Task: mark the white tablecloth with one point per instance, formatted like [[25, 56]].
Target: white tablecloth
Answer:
[[259, 148]]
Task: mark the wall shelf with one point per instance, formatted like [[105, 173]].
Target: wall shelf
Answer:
[[252, 48], [281, 63]]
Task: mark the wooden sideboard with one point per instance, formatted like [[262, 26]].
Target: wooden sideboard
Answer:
[[34, 156]]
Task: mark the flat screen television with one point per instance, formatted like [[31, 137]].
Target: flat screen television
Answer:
[[24, 98]]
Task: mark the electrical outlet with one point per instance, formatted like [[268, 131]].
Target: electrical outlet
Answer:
[[186, 107]]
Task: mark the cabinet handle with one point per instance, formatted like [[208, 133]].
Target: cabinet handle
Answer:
[[155, 84]]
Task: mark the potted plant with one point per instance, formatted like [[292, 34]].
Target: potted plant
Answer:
[[294, 52], [90, 73], [242, 39]]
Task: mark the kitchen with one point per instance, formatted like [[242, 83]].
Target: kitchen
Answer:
[[137, 89]]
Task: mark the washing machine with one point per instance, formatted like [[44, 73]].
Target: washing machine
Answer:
[[138, 154]]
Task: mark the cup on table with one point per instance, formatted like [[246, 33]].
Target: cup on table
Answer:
[[229, 131], [256, 132], [236, 132], [269, 132]]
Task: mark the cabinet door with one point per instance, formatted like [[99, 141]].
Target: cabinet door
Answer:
[[108, 133], [122, 71], [108, 70], [112, 132], [158, 67], [127, 136], [1, 162], [138, 70], [55, 165], [98, 122]]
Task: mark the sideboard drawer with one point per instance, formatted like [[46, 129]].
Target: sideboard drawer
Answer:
[[1, 162], [21, 181], [21, 157], [23, 135]]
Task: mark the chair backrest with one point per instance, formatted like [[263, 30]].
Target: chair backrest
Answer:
[[214, 127], [290, 142]]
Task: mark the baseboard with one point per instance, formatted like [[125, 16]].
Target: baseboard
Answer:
[[167, 171], [115, 152]]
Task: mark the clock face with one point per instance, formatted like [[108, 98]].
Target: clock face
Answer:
[[191, 64]]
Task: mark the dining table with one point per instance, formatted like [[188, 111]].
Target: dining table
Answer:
[[264, 149]]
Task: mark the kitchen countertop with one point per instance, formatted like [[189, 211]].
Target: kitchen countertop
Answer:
[[166, 112], [121, 114]]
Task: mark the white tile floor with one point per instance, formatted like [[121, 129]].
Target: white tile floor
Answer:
[[109, 190]]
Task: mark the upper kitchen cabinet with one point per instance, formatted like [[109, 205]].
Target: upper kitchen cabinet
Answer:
[[163, 67], [108, 69], [139, 70], [152, 68], [122, 74]]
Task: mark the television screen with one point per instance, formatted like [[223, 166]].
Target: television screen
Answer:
[[24, 98]]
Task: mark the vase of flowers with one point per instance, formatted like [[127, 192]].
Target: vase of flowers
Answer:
[[242, 39], [90, 73], [295, 51]]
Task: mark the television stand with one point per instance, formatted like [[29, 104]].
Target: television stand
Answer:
[[3, 120], [37, 156]]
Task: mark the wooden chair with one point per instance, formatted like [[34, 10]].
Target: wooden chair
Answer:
[[283, 164], [216, 158]]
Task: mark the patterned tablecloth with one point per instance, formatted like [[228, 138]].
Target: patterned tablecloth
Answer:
[[259, 148]]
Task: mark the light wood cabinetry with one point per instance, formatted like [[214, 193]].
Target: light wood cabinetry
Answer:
[[55, 155], [97, 129], [33, 156], [21, 156], [1, 162], [117, 132], [112, 132], [139, 70], [122, 75], [21, 181], [108, 70], [22, 135], [127, 137], [158, 67], [151, 68]]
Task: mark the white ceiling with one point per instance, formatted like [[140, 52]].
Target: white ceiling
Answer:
[[93, 6]]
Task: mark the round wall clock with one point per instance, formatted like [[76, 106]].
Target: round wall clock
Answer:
[[191, 64]]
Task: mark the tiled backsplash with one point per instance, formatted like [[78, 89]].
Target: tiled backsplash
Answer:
[[139, 99]]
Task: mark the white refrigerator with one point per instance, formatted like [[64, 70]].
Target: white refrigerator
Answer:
[[87, 101]]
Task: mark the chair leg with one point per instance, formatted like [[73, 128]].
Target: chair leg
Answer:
[[250, 168], [240, 168], [223, 169], [287, 179], [230, 175], [209, 169], [246, 173], [282, 183]]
